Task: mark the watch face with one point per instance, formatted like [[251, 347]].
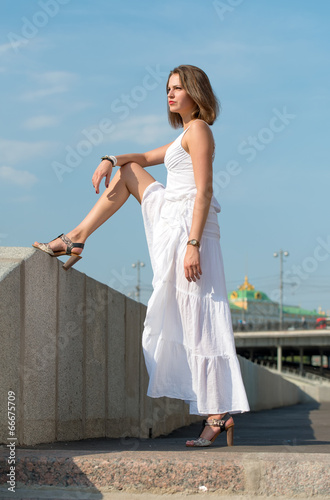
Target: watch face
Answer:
[[194, 243]]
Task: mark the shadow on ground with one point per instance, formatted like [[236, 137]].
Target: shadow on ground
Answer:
[[299, 428]]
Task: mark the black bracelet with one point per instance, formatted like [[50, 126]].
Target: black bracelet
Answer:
[[109, 159]]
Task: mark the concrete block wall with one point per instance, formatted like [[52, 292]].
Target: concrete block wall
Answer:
[[266, 390], [71, 351]]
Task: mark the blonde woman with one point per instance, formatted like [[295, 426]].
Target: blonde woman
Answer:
[[188, 341]]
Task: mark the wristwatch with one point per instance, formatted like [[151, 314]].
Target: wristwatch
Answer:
[[194, 243]]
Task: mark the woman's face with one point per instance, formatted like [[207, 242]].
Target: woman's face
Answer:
[[178, 99]]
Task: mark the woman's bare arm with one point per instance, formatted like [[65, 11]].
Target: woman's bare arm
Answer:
[[148, 159], [200, 145]]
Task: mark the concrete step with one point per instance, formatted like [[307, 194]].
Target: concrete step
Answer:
[[282, 452], [267, 474], [67, 494]]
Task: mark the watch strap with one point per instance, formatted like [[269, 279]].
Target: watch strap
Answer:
[[194, 243]]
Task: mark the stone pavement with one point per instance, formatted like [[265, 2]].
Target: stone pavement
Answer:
[[282, 452]]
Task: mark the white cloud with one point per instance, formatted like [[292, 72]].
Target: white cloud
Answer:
[[52, 82], [37, 94], [41, 121], [55, 78], [18, 177], [12, 46], [18, 151], [142, 130]]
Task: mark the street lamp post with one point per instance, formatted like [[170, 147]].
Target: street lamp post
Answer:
[[138, 265], [280, 255]]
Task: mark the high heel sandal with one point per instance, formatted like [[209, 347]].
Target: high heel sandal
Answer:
[[202, 442], [74, 257]]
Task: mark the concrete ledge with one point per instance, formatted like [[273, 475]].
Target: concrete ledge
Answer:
[[267, 474], [71, 352], [308, 389], [282, 453], [266, 389]]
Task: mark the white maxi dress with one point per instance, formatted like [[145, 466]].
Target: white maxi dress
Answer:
[[187, 341]]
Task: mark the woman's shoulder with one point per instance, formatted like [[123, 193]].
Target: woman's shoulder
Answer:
[[198, 123], [199, 132], [199, 128]]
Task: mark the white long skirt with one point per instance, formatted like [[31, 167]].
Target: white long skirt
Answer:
[[188, 341]]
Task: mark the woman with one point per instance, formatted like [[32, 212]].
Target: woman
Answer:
[[187, 340]]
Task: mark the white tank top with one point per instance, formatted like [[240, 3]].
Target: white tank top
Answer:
[[180, 174]]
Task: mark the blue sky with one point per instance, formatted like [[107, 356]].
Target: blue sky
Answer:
[[79, 79]]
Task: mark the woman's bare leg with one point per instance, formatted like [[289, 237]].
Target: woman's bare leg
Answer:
[[129, 179]]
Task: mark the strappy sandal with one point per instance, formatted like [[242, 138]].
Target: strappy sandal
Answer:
[[202, 442], [74, 257]]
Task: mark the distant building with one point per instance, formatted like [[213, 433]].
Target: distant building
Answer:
[[253, 310]]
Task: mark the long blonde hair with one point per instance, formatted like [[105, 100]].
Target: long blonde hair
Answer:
[[197, 85]]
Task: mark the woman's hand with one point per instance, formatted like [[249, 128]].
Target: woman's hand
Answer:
[[191, 263], [103, 170]]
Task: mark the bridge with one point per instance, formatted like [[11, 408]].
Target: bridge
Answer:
[[273, 346]]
